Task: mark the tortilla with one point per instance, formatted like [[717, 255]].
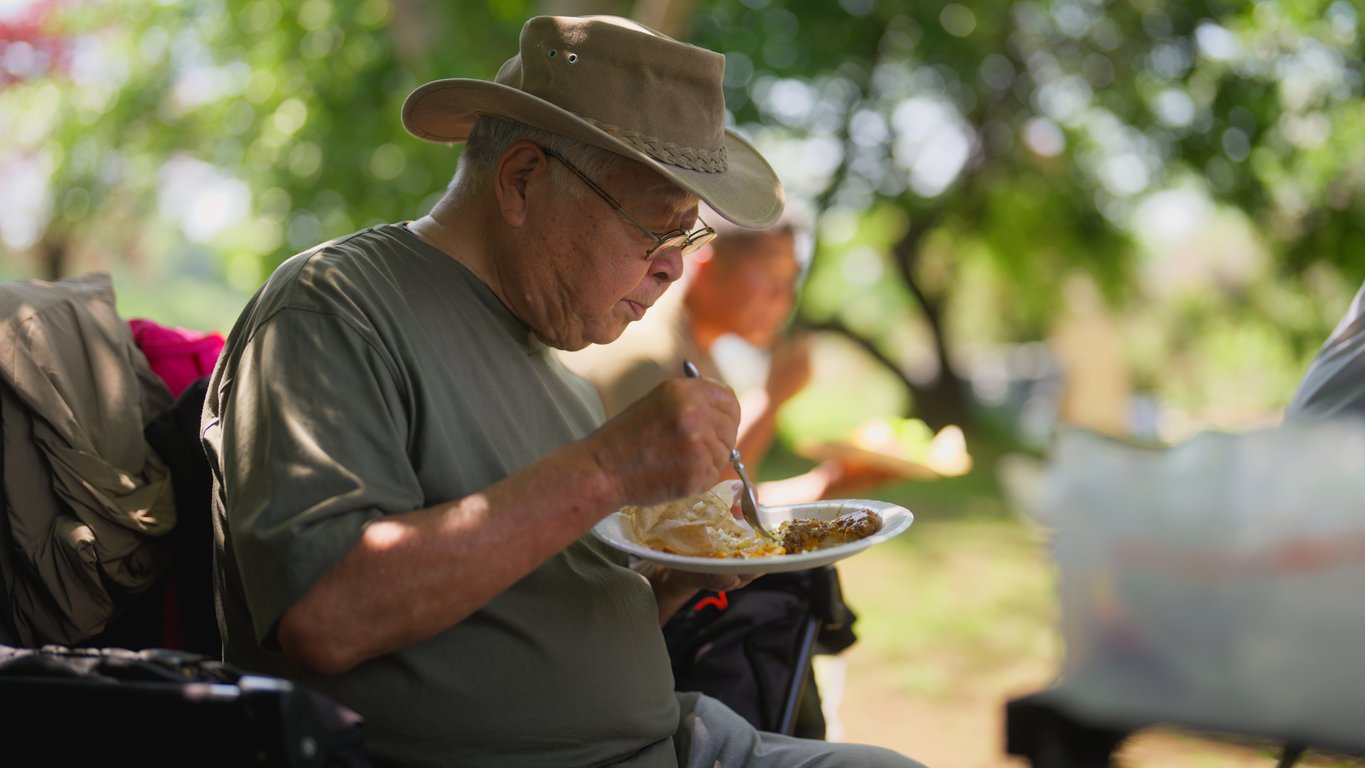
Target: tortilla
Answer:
[[699, 526]]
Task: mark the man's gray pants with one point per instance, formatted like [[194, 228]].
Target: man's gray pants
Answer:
[[711, 735]]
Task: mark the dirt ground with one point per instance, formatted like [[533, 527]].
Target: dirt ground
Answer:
[[964, 731], [968, 731]]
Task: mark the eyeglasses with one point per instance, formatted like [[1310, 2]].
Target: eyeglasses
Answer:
[[687, 242]]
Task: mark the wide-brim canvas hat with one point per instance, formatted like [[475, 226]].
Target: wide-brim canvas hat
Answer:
[[615, 84]]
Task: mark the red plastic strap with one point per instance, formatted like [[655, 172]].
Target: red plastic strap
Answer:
[[720, 601]]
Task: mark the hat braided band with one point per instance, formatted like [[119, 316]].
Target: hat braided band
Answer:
[[691, 158]]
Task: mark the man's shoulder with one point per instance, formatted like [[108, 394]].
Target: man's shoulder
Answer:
[[340, 259], [340, 274], [335, 278]]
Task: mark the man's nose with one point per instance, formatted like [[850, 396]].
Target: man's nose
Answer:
[[667, 265]]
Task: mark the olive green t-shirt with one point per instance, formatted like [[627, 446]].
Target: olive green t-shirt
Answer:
[[374, 375]]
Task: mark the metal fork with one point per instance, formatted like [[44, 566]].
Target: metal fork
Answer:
[[748, 502]]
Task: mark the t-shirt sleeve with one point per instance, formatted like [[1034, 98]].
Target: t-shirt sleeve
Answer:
[[315, 446]]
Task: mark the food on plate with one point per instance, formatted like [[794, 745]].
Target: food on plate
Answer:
[[705, 526], [806, 534], [699, 526]]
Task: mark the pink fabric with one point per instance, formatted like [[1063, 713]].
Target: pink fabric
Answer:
[[176, 355]]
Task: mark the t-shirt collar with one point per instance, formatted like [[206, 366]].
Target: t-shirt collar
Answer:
[[515, 327]]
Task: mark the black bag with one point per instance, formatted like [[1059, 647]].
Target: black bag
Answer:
[[751, 648], [66, 706]]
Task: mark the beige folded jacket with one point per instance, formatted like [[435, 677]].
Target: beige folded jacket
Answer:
[[87, 501]]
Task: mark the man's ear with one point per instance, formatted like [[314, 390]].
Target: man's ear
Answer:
[[519, 164]]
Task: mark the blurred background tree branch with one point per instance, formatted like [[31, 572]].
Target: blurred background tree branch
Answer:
[[1195, 161]]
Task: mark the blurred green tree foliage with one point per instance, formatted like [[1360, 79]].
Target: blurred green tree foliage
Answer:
[[1020, 138], [963, 158], [287, 110]]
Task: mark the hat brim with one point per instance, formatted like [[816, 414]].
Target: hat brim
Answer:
[[747, 192]]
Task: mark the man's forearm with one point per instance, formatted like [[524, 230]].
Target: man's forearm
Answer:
[[411, 576]]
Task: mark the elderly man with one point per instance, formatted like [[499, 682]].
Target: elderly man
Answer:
[[405, 475]]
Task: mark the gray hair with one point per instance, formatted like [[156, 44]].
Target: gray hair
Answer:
[[491, 135]]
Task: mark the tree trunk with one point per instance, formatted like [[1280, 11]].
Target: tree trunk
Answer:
[[670, 17], [52, 257], [943, 400], [580, 7]]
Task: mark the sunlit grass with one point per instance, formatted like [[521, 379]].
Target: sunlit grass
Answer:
[[972, 594]]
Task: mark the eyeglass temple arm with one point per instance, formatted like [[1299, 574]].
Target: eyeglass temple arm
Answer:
[[602, 193]]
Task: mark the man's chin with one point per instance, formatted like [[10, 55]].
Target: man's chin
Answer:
[[609, 334], [590, 336]]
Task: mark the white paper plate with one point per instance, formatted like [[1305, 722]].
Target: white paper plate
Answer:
[[615, 530]]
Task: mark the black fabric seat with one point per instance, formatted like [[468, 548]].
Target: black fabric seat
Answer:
[[74, 706]]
